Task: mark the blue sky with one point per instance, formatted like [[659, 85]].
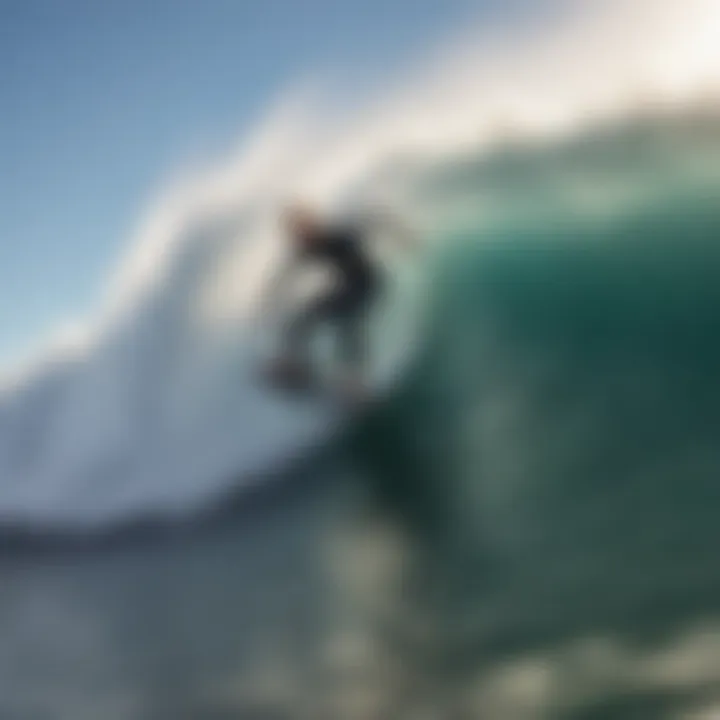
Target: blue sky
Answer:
[[100, 100]]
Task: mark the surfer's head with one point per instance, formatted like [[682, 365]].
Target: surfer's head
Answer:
[[303, 224]]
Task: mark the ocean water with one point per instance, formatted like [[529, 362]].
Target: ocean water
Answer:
[[526, 527]]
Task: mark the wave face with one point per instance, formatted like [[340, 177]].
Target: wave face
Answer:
[[567, 403], [572, 283], [555, 448], [573, 344]]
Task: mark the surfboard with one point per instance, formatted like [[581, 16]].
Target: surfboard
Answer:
[[300, 381]]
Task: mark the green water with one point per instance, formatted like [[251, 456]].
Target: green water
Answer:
[[555, 453]]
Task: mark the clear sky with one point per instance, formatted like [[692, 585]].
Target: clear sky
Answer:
[[101, 99]]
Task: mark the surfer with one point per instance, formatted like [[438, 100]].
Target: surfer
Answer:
[[345, 306]]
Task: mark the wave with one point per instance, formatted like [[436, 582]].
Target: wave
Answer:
[[570, 364], [152, 410]]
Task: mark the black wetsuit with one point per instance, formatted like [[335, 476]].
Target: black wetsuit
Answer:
[[346, 304]]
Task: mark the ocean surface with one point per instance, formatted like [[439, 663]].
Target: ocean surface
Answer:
[[526, 527]]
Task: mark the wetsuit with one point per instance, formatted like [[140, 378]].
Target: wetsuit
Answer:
[[347, 303]]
